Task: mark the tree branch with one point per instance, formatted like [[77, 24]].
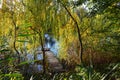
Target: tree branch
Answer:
[[15, 36], [43, 50], [78, 31]]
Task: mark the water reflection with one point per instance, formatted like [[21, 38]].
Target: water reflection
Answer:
[[39, 56], [40, 67], [30, 58], [52, 44]]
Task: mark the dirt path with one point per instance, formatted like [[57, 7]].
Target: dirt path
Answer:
[[53, 62]]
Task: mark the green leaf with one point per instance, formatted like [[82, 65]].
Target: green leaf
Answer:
[[26, 25], [4, 50], [106, 75], [3, 45], [11, 59], [26, 62], [24, 35], [13, 75], [7, 59], [23, 63], [22, 41]]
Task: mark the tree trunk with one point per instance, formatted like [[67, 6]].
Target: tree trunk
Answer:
[[44, 59], [78, 31], [15, 36]]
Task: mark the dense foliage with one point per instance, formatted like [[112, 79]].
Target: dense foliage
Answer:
[[88, 33]]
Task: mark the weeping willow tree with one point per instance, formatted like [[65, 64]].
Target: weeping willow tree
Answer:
[[29, 20], [47, 17], [44, 17], [9, 12]]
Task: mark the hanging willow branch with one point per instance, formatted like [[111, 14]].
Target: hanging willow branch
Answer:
[[78, 30], [38, 31]]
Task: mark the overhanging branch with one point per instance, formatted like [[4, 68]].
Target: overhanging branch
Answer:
[[78, 30]]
